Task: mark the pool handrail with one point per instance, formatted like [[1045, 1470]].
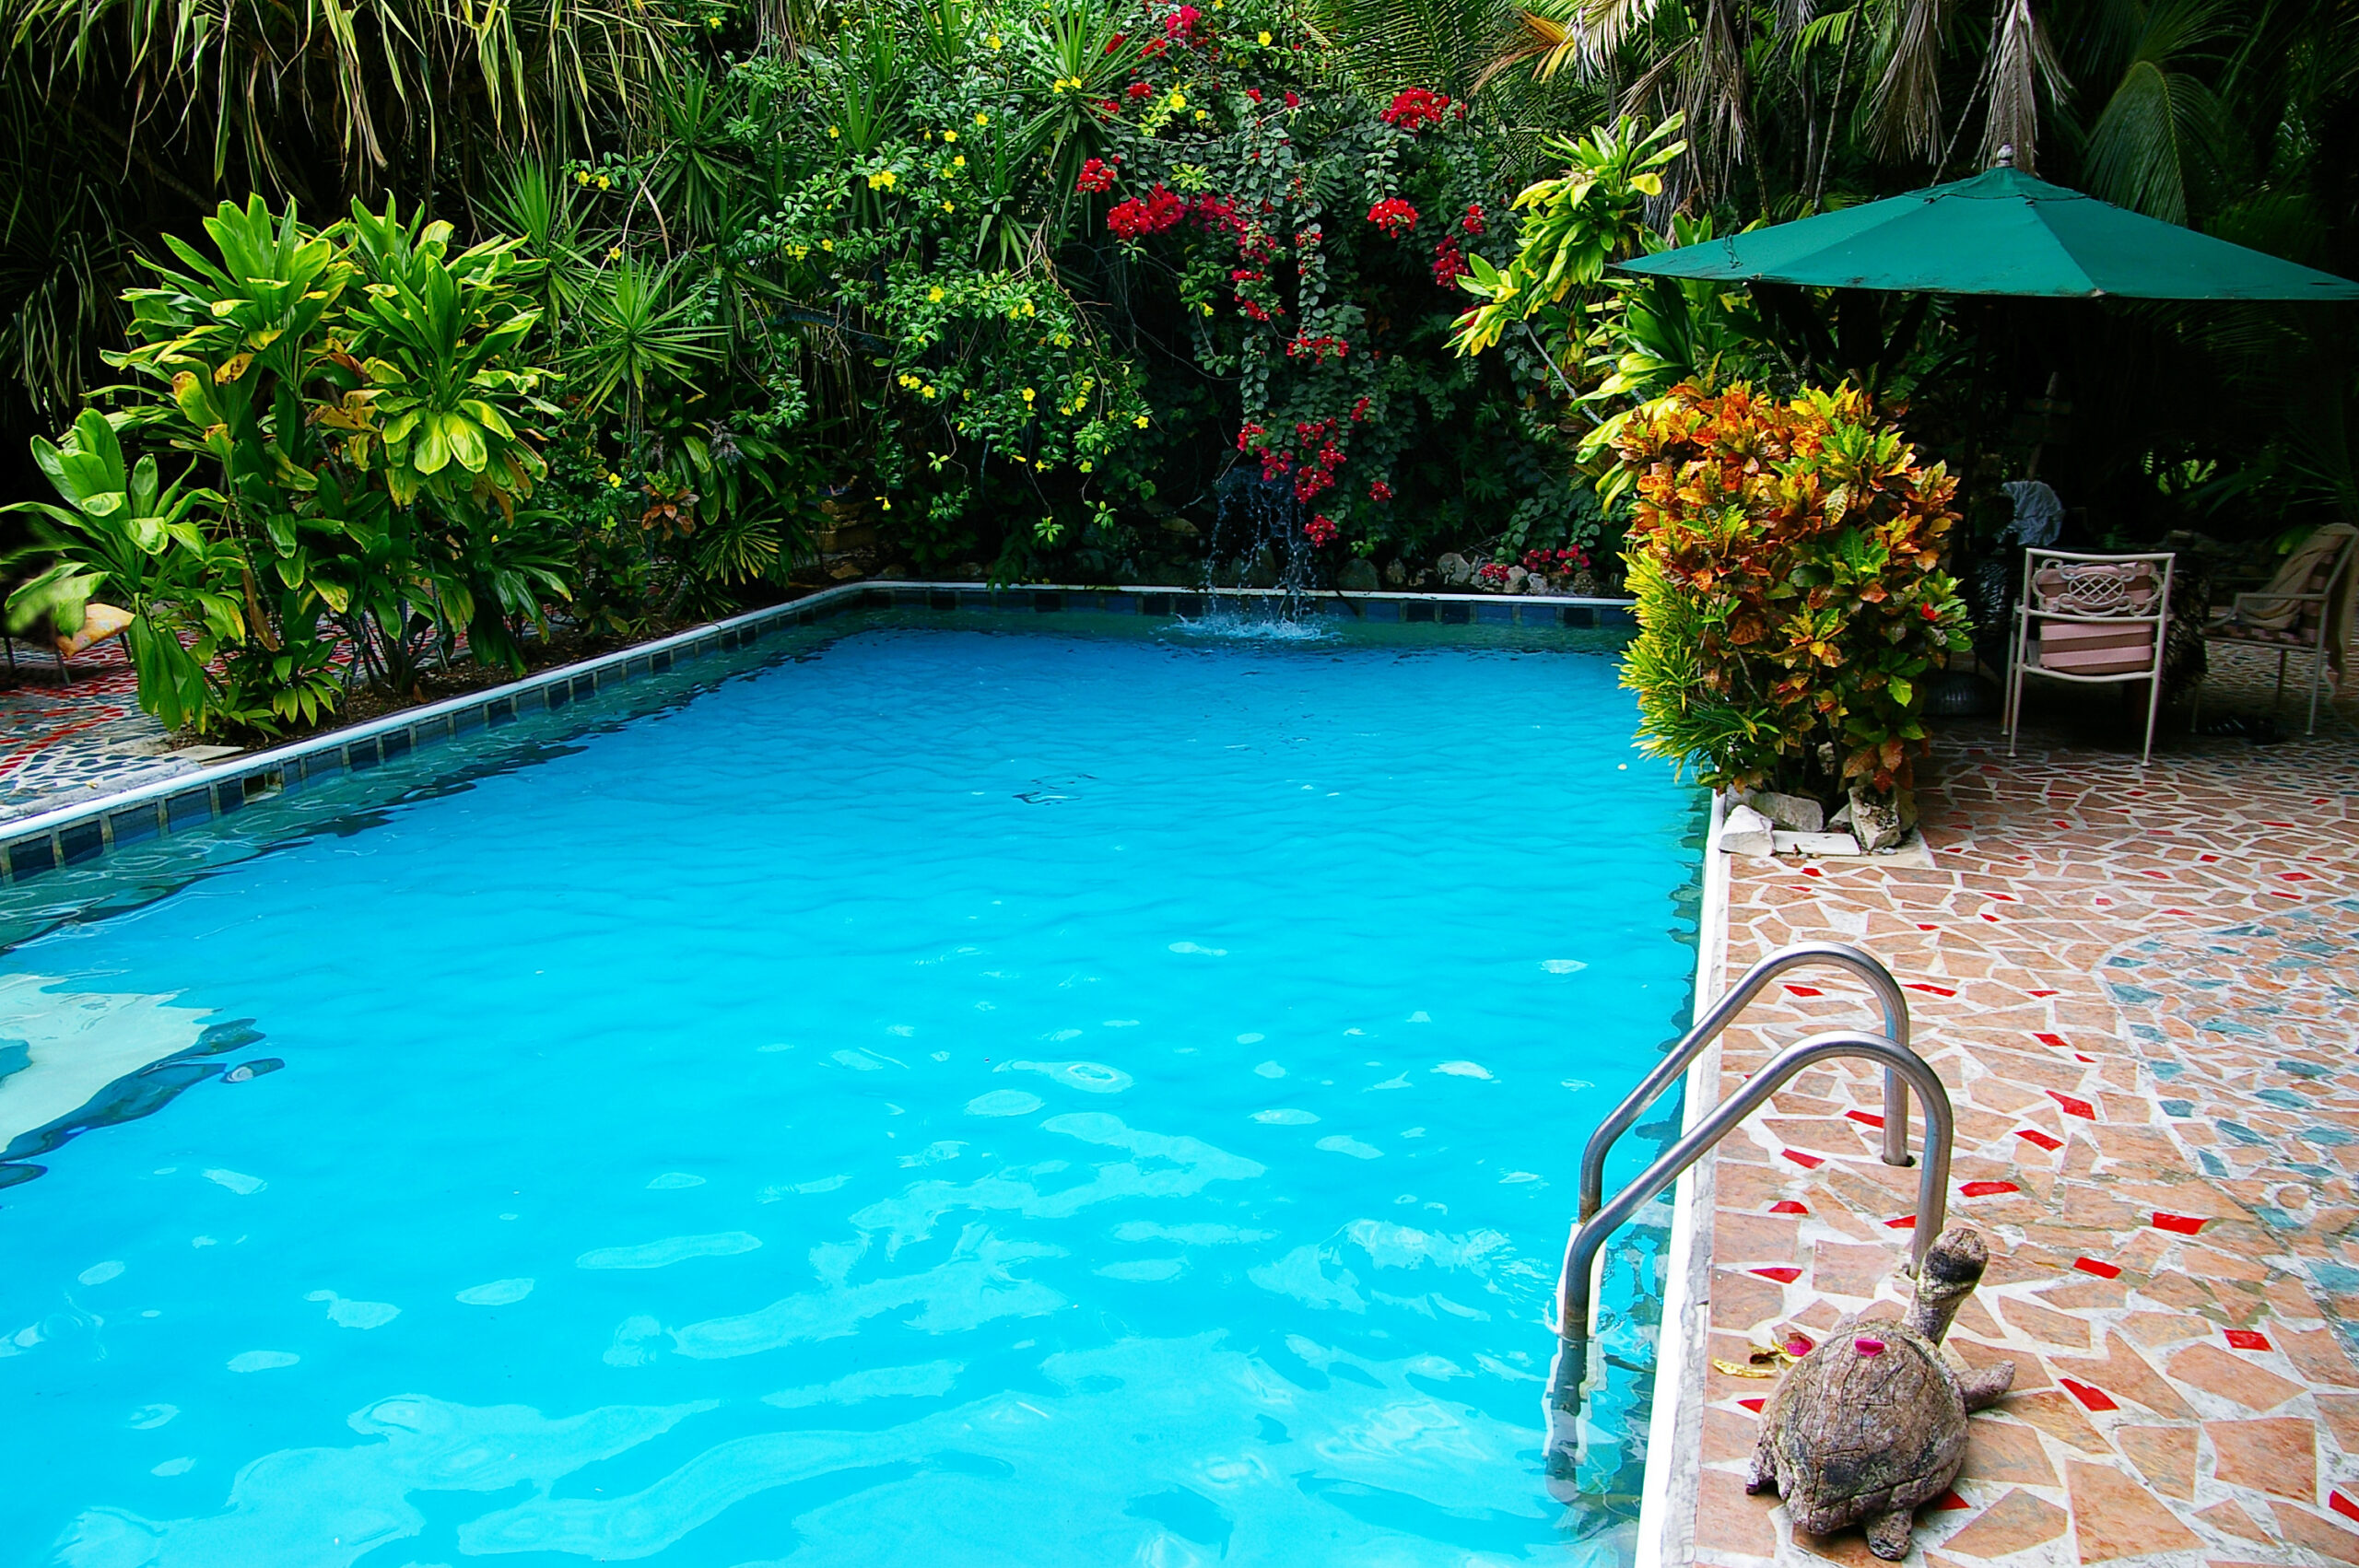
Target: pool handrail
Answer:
[[1724, 1012], [1589, 1235]]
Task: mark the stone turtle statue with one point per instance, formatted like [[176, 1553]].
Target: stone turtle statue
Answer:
[[1870, 1424]]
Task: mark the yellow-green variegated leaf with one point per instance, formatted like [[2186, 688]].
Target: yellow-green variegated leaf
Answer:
[[432, 452], [466, 438], [488, 416]]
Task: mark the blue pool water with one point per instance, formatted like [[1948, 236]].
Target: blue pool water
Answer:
[[937, 1096]]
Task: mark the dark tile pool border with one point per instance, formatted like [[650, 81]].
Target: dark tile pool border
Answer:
[[84, 832]]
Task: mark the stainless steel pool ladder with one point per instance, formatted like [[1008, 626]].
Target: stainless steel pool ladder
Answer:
[[1903, 1068]]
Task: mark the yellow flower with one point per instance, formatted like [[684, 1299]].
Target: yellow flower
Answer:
[[929, 136], [887, 501], [935, 294], [994, 40], [883, 180], [1176, 101], [582, 177], [928, 393], [949, 135], [982, 119], [1140, 421], [1203, 115], [1028, 394], [947, 208], [605, 183], [1040, 465], [1262, 38], [614, 481], [1085, 465], [834, 132], [613, 252], [1027, 308], [829, 245]]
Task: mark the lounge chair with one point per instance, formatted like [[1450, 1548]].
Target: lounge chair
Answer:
[[2305, 609]]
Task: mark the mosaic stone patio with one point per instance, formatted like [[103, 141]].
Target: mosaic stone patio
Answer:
[[2139, 987], [62, 743]]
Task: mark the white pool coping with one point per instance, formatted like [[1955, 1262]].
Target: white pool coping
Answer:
[[1675, 1425]]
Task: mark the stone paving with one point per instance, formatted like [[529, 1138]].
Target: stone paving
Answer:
[[2138, 986], [61, 742]]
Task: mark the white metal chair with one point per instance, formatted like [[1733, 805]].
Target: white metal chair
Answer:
[[2090, 620], [2305, 609]]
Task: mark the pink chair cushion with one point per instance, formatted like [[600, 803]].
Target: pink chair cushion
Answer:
[[2096, 647]]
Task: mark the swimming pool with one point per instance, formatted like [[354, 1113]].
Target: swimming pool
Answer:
[[921, 1093]]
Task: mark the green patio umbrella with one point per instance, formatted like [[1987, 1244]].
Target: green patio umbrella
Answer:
[[1999, 233]]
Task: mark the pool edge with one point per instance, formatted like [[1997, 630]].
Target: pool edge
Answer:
[[88, 831], [1674, 1476]]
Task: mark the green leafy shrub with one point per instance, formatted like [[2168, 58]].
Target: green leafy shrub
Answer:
[[1785, 557], [361, 401]]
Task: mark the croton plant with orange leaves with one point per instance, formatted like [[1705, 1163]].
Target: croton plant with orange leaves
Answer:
[[1786, 556]]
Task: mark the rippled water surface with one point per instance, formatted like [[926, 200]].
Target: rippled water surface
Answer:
[[949, 1097]]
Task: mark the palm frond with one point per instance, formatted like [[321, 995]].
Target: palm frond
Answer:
[[1905, 110], [2023, 66]]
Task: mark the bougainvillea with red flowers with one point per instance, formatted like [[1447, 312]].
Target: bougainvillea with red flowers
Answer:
[[1415, 109], [1158, 211], [1449, 263], [1120, 273]]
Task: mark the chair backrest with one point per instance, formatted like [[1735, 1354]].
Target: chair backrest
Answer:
[[2097, 614], [2312, 568]]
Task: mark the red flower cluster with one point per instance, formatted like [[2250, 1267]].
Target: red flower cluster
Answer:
[[1473, 222], [1359, 411], [1138, 89], [1321, 458], [1318, 348], [1414, 109], [1106, 108], [1181, 23], [1158, 212], [1542, 562], [1247, 434], [1095, 175], [1115, 42], [1449, 263], [1393, 215], [1493, 573], [1217, 212], [1321, 529], [1293, 102], [1379, 491]]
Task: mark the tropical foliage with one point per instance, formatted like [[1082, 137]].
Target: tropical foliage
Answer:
[[1786, 561], [633, 313]]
